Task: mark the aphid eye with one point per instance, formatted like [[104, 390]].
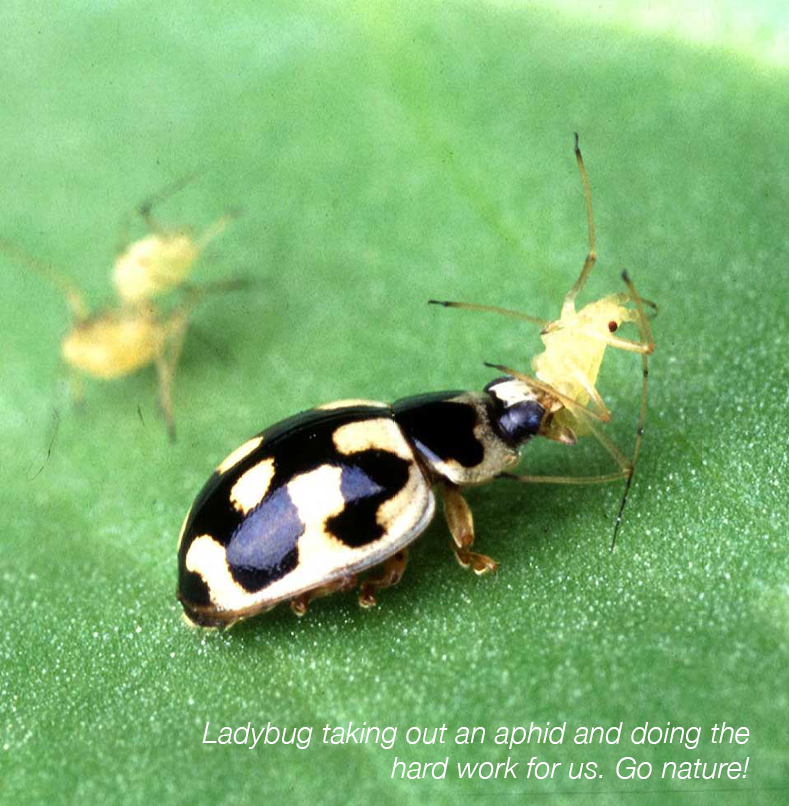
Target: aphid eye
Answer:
[[612, 326]]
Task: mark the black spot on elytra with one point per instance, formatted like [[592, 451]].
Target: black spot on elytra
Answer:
[[368, 479], [441, 429]]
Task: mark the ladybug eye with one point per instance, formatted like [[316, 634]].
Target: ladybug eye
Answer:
[[612, 326]]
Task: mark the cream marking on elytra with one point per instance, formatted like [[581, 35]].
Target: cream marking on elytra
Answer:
[[317, 495], [380, 434], [405, 508], [344, 404], [207, 558], [322, 557], [238, 454], [252, 487]]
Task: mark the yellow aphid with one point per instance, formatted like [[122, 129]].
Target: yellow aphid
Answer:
[[575, 346], [137, 333], [567, 369], [119, 341], [159, 262]]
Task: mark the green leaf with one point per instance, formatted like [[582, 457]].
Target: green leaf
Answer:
[[381, 155]]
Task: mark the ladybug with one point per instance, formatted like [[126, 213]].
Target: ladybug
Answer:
[[303, 508]]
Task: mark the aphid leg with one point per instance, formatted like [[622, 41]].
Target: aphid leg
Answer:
[[75, 386], [390, 574], [625, 472], [194, 293], [461, 526], [213, 231], [167, 361], [74, 298], [300, 603], [616, 342], [174, 333], [625, 465], [597, 401], [165, 375], [568, 308]]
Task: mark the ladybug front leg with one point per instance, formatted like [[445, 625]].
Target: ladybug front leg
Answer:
[[461, 526]]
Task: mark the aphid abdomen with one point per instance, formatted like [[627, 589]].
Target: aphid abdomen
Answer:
[[113, 345], [308, 503]]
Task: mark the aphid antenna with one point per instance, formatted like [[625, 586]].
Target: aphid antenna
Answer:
[[591, 256], [74, 297], [145, 208], [568, 306], [470, 306]]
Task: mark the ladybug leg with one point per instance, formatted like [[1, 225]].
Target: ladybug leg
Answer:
[[461, 526], [300, 603], [390, 574]]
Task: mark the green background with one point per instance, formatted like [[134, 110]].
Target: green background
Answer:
[[380, 158]]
